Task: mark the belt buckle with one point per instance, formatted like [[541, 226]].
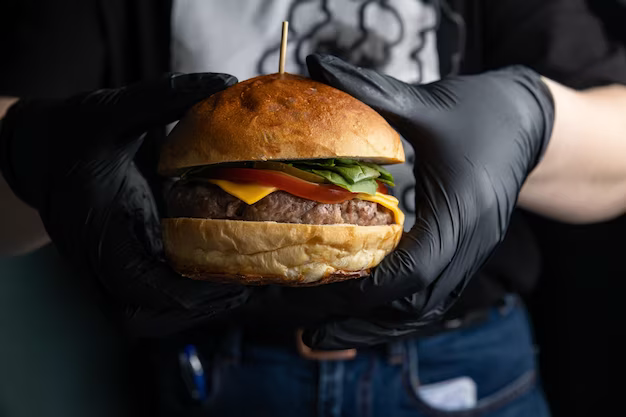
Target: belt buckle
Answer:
[[322, 355]]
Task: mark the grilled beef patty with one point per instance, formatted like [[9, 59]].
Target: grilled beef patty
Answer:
[[198, 199]]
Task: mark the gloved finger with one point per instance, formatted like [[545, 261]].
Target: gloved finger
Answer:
[[392, 98], [398, 287], [127, 238], [139, 249], [169, 302], [140, 322], [401, 317], [422, 256], [380, 326], [136, 108], [153, 284], [160, 323], [157, 286]]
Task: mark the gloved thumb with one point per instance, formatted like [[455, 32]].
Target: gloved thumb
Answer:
[[131, 110], [387, 95]]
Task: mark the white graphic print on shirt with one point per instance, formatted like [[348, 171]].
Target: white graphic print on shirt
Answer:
[[242, 37]]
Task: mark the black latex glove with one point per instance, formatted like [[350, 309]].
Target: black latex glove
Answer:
[[476, 139], [73, 161]]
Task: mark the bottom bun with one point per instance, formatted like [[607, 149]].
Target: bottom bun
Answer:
[[256, 253]]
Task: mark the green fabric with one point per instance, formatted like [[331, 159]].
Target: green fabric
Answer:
[[57, 354]]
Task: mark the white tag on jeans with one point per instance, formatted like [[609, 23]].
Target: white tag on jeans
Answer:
[[451, 395]]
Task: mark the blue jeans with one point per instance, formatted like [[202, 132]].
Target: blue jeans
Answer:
[[497, 354]]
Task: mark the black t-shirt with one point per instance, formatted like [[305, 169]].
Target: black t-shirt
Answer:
[[87, 44]]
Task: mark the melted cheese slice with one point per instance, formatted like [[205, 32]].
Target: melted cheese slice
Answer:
[[248, 193], [387, 201], [251, 193]]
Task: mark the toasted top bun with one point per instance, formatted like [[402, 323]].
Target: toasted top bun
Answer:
[[279, 117]]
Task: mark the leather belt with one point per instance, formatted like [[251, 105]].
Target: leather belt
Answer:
[[322, 355]]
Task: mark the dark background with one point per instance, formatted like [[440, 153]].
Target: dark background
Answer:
[[578, 307]]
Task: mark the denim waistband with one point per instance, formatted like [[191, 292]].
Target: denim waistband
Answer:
[[477, 353]]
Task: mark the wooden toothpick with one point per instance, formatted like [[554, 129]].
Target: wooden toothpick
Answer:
[[283, 48]]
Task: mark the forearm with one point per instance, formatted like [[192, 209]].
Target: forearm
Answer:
[[582, 176], [21, 229]]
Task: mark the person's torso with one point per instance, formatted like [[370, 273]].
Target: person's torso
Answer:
[[402, 38], [397, 37]]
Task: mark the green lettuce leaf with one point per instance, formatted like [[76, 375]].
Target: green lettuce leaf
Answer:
[[385, 176], [317, 163], [356, 173], [368, 186], [355, 176]]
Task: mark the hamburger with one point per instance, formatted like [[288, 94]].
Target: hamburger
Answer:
[[280, 180]]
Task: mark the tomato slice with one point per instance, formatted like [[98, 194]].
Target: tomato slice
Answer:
[[324, 193], [382, 188]]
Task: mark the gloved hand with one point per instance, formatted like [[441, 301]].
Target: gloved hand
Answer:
[[476, 139], [73, 161]]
